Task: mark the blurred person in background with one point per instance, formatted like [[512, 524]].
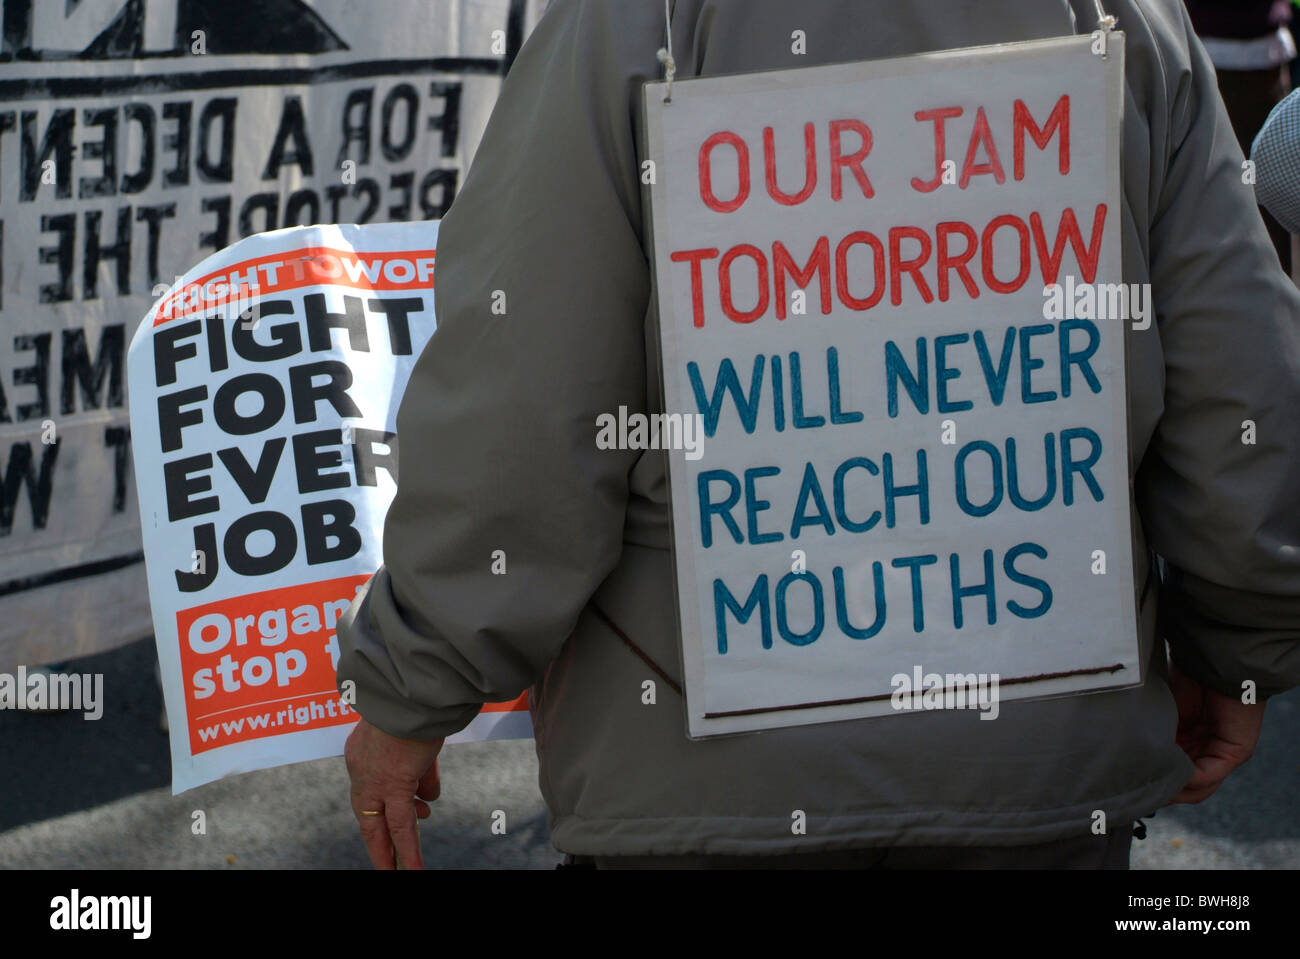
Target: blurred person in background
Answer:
[[1276, 153], [1251, 47]]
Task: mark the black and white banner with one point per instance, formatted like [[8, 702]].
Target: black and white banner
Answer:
[[138, 137]]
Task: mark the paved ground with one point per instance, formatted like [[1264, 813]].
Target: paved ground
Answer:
[[96, 794]]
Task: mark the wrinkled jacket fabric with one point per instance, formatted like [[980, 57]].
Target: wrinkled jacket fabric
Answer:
[[497, 452]]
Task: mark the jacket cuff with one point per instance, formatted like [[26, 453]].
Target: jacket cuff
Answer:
[[380, 693], [1224, 637]]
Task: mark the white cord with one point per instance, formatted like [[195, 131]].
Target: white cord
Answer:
[[665, 55], [1104, 19]]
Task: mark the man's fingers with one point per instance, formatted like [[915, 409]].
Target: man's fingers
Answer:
[[1192, 796], [428, 788], [430, 785], [386, 772], [374, 833], [1211, 772], [405, 835], [1238, 733], [1207, 777]]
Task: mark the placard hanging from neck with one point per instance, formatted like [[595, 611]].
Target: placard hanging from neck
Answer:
[[892, 293]]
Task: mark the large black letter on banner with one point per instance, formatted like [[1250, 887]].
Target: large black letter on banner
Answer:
[[316, 531]]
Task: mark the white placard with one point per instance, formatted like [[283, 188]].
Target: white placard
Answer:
[[266, 385], [915, 458]]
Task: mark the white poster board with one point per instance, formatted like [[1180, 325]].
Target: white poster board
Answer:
[[266, 386], [915, 457]]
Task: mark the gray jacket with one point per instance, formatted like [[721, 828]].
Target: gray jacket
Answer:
[[497, 453]]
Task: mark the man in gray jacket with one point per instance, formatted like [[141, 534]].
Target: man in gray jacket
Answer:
[[498, 453]]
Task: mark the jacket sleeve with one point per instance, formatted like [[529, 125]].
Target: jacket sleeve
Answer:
[[497, 427], [1219, 489]]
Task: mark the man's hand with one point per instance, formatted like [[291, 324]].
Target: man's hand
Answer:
[[1217, 732], [387, 775]]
